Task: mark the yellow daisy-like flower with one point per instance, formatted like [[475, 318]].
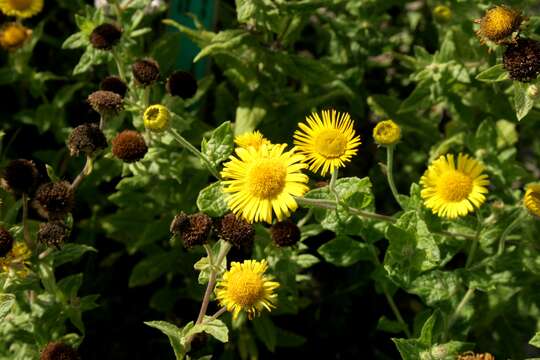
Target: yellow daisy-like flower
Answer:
[[21, 8], [245, 288], [264, 181], [16, 260], [251, 139], [327, 143], [451, 190], [13, 35], [499, 23], [531, 199], [387, 133], [156, 118]]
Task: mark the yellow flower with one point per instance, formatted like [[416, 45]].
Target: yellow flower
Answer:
[[245, 288], [16, 260], [387, 133], [327, 143], [469, 355], [156, 118], [13, 35], [264, 180], [251, 139], [531, 199], [499, 23], [21, 8], [442, 14], [451, 190]]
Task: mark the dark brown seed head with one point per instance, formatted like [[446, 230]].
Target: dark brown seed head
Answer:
[[59, 351], [146, 71], [54, 200], [522, 60], [105, 36], [20, 176], [129, 146], [182, 84], [106, 102], [53, 233], [285, 233], [86, 139], [114, 84], [235, 230], [193, 229], [6, 242]]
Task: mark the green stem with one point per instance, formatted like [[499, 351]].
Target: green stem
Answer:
[[507, 232], [329, 204], [26, 232], [195, 152], [121, 72], [389, 297], [460, 306], [332, 184], [474, 244], [216, 315], [390, 173], [305, 219]]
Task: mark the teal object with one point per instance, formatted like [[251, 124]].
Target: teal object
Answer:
[[205, 11]]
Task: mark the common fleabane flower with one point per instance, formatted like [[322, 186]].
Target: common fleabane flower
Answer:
[[498, 23], [531, 199], [245, 288], [327, 143], [251, 139], [21, 8], [453, 189], [264, 182]]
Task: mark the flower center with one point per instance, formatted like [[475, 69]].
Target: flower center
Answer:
[[330, 143], [20, 4], [499, 21], [454, 186], [245, 288], [266, 179], [152, 114]]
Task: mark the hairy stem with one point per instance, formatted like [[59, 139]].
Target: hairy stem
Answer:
[[216, 315], [455, 314], [195, 152], [390, 173], [121, 71], [26, 231], [507, 231], [87, 169]]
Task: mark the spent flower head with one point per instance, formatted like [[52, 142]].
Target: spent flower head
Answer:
[[106, 103], [145, 71], [235, 230], [522, 60], [105, 36], [129, 146], [20, 176], [285, 233], [86, 139], [181, 84], [54, 200], [6, 242]]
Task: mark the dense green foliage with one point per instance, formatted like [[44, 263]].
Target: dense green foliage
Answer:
[[438, 287]]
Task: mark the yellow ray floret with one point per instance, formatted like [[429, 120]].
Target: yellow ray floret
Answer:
[[245, 288], [264, 181], [531, 200], [327, 143], [452, 190], [251, 139], [21, 8]]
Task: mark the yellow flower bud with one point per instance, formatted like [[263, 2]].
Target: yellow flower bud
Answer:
[[442, 14], [531, 200], [156, 118], [13, 35], [387, 133]]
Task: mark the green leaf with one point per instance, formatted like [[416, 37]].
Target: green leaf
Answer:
[[493, 74], [211, 200], [413, 248], [216, 328], [220, 145], [344, 251], [390, 326], [75, 41], [175, 335], [6, 303], [266, 331], [69, 286], [152, 267], [70, 252], [522, 101], [417, 98], [535, 341]]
